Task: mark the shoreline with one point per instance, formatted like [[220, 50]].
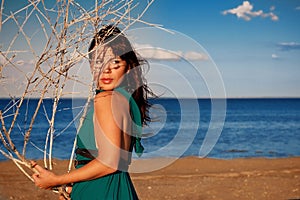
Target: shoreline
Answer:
[[186, 178]]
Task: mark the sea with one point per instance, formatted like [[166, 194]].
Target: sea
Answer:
[[239, 128]]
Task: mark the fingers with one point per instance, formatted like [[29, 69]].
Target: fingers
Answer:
[[33, 164], [61, 197], [35, 176], [39, 168], [42, 178], [39, 182], [69, 189]]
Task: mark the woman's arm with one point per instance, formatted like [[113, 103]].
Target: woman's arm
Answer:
[[108, 121]]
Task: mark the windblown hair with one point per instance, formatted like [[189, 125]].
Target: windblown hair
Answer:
[[134, 82]]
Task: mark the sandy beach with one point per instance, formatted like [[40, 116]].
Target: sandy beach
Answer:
[[187, 178]]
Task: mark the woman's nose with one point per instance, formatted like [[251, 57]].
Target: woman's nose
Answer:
[[107, 69]]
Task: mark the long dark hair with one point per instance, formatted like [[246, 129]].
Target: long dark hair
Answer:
[[135, 83]]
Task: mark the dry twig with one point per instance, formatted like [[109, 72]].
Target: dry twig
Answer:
[[66, 28]]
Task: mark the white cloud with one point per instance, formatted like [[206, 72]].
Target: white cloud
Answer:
[[271, 15], [13, 60], [274, 56], [192, 55], [245, 11], [159, 54], [25, 62], [298, 8], [149, 52], [288, 46], [20, 62], [272, 8]]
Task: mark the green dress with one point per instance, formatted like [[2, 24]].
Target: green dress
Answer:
[[113, 186]]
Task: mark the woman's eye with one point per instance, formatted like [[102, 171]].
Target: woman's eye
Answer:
[[116, 61]]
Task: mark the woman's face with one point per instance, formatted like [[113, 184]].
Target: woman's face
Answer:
[[109, 70]]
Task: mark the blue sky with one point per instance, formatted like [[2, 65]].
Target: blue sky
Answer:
[[258, 53], [254, 44]]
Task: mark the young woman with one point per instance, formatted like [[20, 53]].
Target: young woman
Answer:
[[112, 127]]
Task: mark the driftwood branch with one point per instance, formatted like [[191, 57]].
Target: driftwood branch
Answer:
[[66, 28]]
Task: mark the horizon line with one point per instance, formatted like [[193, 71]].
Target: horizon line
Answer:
[[170, 97]]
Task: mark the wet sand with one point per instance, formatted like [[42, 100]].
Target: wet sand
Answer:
[[187, 178]]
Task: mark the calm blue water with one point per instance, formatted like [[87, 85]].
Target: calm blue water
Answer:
[[252, 128]]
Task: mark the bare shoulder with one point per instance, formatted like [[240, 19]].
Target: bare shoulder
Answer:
[[110, 100], [103, 97]]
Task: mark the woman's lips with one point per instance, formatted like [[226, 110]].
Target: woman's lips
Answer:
[[106, 80]]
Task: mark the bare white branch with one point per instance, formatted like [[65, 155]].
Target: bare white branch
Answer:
[[65, 30]]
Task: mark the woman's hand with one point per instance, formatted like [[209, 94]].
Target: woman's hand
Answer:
[[44, 179]]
